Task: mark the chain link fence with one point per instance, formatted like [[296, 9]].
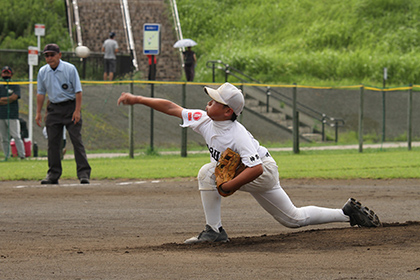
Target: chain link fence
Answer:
[[90, 68], [386, 112], [106, 125]]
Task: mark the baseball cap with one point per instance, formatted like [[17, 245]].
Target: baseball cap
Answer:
[[229, 95], [7, 69], [111, 34], [51, 48]]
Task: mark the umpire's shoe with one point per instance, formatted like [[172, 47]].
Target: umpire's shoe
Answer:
[[359, 215], [48, 181], [209, 235]]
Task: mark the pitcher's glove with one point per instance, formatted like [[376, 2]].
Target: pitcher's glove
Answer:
[[227, 168]]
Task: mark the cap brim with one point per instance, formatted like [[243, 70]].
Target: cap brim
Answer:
[[214, 94]]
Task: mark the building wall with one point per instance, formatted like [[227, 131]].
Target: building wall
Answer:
[[99, 17]]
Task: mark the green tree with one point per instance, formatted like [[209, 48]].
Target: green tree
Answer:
[[18, 18]]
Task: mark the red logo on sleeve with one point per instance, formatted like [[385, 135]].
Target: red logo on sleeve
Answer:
[[197, 116]]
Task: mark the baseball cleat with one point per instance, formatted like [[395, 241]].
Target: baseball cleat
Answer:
[[360, 215], [209, 235]]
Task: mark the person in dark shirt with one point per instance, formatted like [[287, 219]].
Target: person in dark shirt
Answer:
[[189, 64], [9, 114]]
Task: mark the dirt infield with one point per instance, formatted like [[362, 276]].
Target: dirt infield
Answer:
[[135, 230]]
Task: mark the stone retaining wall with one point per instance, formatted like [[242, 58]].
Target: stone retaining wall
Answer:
[[99, 17]]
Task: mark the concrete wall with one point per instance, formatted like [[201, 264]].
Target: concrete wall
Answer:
[[99, 17]]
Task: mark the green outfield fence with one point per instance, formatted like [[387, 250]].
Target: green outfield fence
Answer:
[[370, 114], [90, 68]]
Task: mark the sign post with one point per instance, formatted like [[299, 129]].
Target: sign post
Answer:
[[33, 54], [151, 47], [32, 60], [151, 39], [384, 104], [39, 31]]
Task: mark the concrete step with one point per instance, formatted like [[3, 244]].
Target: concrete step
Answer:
[[260, 109], [302, 129], [250, 102], [277, 117], [316, 137]]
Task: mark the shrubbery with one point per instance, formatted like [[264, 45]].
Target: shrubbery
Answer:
[[18, 19], [314, 42], [310, 42]]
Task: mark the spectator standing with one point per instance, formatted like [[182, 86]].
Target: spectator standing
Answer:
[[189, 64], [9, 114], [110, 47], [61, 81]]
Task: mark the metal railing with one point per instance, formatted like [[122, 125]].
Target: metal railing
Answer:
[[177, 26], [229, 70], [90, 68]]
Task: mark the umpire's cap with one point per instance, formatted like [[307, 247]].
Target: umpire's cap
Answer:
[[51, 48]]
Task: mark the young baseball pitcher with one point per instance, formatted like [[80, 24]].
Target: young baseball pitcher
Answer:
[[225, 138]]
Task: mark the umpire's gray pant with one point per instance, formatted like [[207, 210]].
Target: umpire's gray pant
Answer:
[[60, 115]]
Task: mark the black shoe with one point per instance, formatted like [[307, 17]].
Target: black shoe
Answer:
[[359, 215], [209, 235], [47, 181], [84, 181]]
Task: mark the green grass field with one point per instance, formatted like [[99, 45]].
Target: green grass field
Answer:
[[337, 164]]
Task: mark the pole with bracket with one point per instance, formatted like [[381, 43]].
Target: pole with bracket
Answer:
[[268, 93], [410, 116], [295, 122], [152, 94], [184, 129], [131, 125], [384, 105], [361, 96]]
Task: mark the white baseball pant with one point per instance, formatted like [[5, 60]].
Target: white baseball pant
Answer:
[[269, 194]]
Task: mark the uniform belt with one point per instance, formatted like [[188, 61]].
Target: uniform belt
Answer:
[[63, 103]]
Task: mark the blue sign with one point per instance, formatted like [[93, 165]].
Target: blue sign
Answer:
[[151, 38]]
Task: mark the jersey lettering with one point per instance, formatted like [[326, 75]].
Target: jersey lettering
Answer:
[[254, 157], [215, 154]]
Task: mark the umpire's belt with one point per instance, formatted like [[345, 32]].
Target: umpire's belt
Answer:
[[64, 103]]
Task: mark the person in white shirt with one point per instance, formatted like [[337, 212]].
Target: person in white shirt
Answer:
[[110, 47], [220, 129]]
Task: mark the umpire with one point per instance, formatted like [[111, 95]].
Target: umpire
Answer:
[[61, 81]]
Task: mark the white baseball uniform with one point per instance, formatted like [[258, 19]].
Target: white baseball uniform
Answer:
[[266, 189]]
